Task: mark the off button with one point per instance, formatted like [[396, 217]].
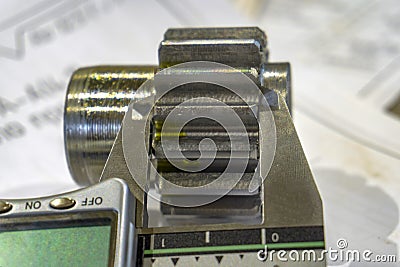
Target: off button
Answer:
[[5, 207], [62, 203]]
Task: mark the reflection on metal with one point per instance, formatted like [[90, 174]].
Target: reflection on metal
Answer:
[[96, 103], [287, 201]]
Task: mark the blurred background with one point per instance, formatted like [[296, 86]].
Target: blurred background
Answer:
[[346, 94]]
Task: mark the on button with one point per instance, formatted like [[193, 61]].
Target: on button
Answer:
[[62, 203], [5, 207]]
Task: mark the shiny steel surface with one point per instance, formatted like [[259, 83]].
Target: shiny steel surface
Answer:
[[96, 101], [5, 207], [62, 203], [236, 47]]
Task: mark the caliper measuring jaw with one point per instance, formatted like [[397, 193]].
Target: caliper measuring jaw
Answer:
[[199, 67]]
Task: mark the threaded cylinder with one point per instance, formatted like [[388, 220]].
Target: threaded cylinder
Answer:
[[96, 102]]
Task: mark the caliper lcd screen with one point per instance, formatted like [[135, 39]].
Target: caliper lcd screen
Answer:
[[77, 243]]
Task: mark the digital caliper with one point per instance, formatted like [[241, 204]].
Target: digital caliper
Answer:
[[194, 162]]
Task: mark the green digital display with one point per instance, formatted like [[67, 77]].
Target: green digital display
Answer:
[[59, 246]]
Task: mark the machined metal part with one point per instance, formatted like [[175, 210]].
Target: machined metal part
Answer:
[[276, 77], [237, 47], [96, 102], [242, 48], [288, 200]]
